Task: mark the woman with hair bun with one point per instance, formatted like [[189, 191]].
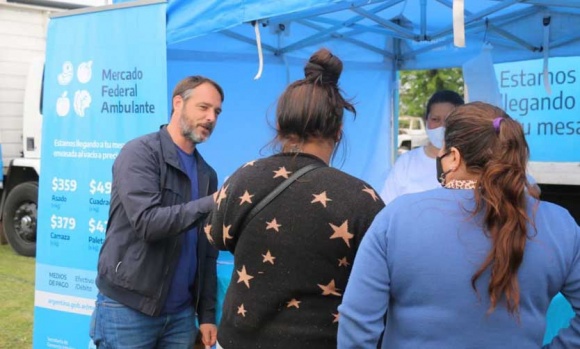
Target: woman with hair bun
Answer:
[[472, 266], [293, 255]]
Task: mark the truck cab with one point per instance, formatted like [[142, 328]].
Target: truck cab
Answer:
[[412, 133], [19, 202]]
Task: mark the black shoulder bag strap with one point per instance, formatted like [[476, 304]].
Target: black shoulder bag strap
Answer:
[[277, 191]]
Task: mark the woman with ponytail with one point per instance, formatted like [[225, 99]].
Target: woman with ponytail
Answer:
[[292, 257], [472, 266]]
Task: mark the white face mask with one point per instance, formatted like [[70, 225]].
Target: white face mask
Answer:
[[436, 136]]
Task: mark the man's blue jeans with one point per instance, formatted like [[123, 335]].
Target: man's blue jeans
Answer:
[[115, 326]]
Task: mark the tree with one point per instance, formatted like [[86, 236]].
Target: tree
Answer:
[[417, 86]]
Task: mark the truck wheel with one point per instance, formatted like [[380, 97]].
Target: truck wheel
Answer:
[[3, 240], [19, 218]]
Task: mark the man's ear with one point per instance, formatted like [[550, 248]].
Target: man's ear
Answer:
[[177, 102]]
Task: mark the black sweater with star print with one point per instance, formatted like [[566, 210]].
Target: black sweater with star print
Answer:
[[293, 259]]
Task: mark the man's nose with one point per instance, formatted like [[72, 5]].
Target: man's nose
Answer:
[[211, 115]]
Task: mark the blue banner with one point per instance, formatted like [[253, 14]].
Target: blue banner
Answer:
[[549, 116], [104, 84]]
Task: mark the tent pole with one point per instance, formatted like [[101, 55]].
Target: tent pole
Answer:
[[247, 40], [346, 24], [317, 39], [476, 17], [500, 31], [423, 19], [350, 40], [513, 38], [403, 32], [397, 62], [553, 3]]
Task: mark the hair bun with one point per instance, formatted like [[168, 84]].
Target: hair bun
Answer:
[[323, 67]]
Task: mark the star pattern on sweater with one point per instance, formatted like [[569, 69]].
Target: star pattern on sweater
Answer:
[[282, 172], [371, 192], [293, 303], [222, 195], [244, 276], [248, 186], [207, 231], [227, 235], [341, 232], [343, 262], [321, 198], [330, 289], [241, 310], [268, 258], [273, 224], [246, 198], [249, 163]]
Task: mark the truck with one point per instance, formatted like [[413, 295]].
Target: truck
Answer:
[[22, 48], [22, 45], [412, 133], [20, 184]]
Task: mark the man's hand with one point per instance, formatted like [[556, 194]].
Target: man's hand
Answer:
[[208, 334]]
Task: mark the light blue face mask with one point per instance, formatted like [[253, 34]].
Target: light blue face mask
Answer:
[[436, 136]]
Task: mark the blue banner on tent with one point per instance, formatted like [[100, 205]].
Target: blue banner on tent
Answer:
[[547, 112], [98, 94]]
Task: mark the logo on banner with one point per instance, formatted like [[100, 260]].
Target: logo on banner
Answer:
[[82, 98]]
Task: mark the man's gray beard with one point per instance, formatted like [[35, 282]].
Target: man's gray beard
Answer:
[[188, 133]]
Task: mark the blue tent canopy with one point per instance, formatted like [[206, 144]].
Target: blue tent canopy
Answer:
[[416, 34], [375, 39]]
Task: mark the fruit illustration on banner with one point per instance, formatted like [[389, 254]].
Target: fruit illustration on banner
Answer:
[[62, 105], [85, 72], [82, 102], [66, 75]]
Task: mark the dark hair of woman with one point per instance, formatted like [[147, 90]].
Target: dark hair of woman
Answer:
[[313, 107], [443, 96], [493, 145]]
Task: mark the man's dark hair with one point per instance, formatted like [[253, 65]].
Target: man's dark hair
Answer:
[[185, 86]]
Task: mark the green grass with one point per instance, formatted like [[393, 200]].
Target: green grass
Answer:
[[16, 299]]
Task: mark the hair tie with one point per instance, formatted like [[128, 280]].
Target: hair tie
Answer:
[[496, 123]]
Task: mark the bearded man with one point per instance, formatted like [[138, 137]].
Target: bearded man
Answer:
[[156, 269]]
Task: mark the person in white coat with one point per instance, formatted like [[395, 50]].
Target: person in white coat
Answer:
[[414, 171]]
